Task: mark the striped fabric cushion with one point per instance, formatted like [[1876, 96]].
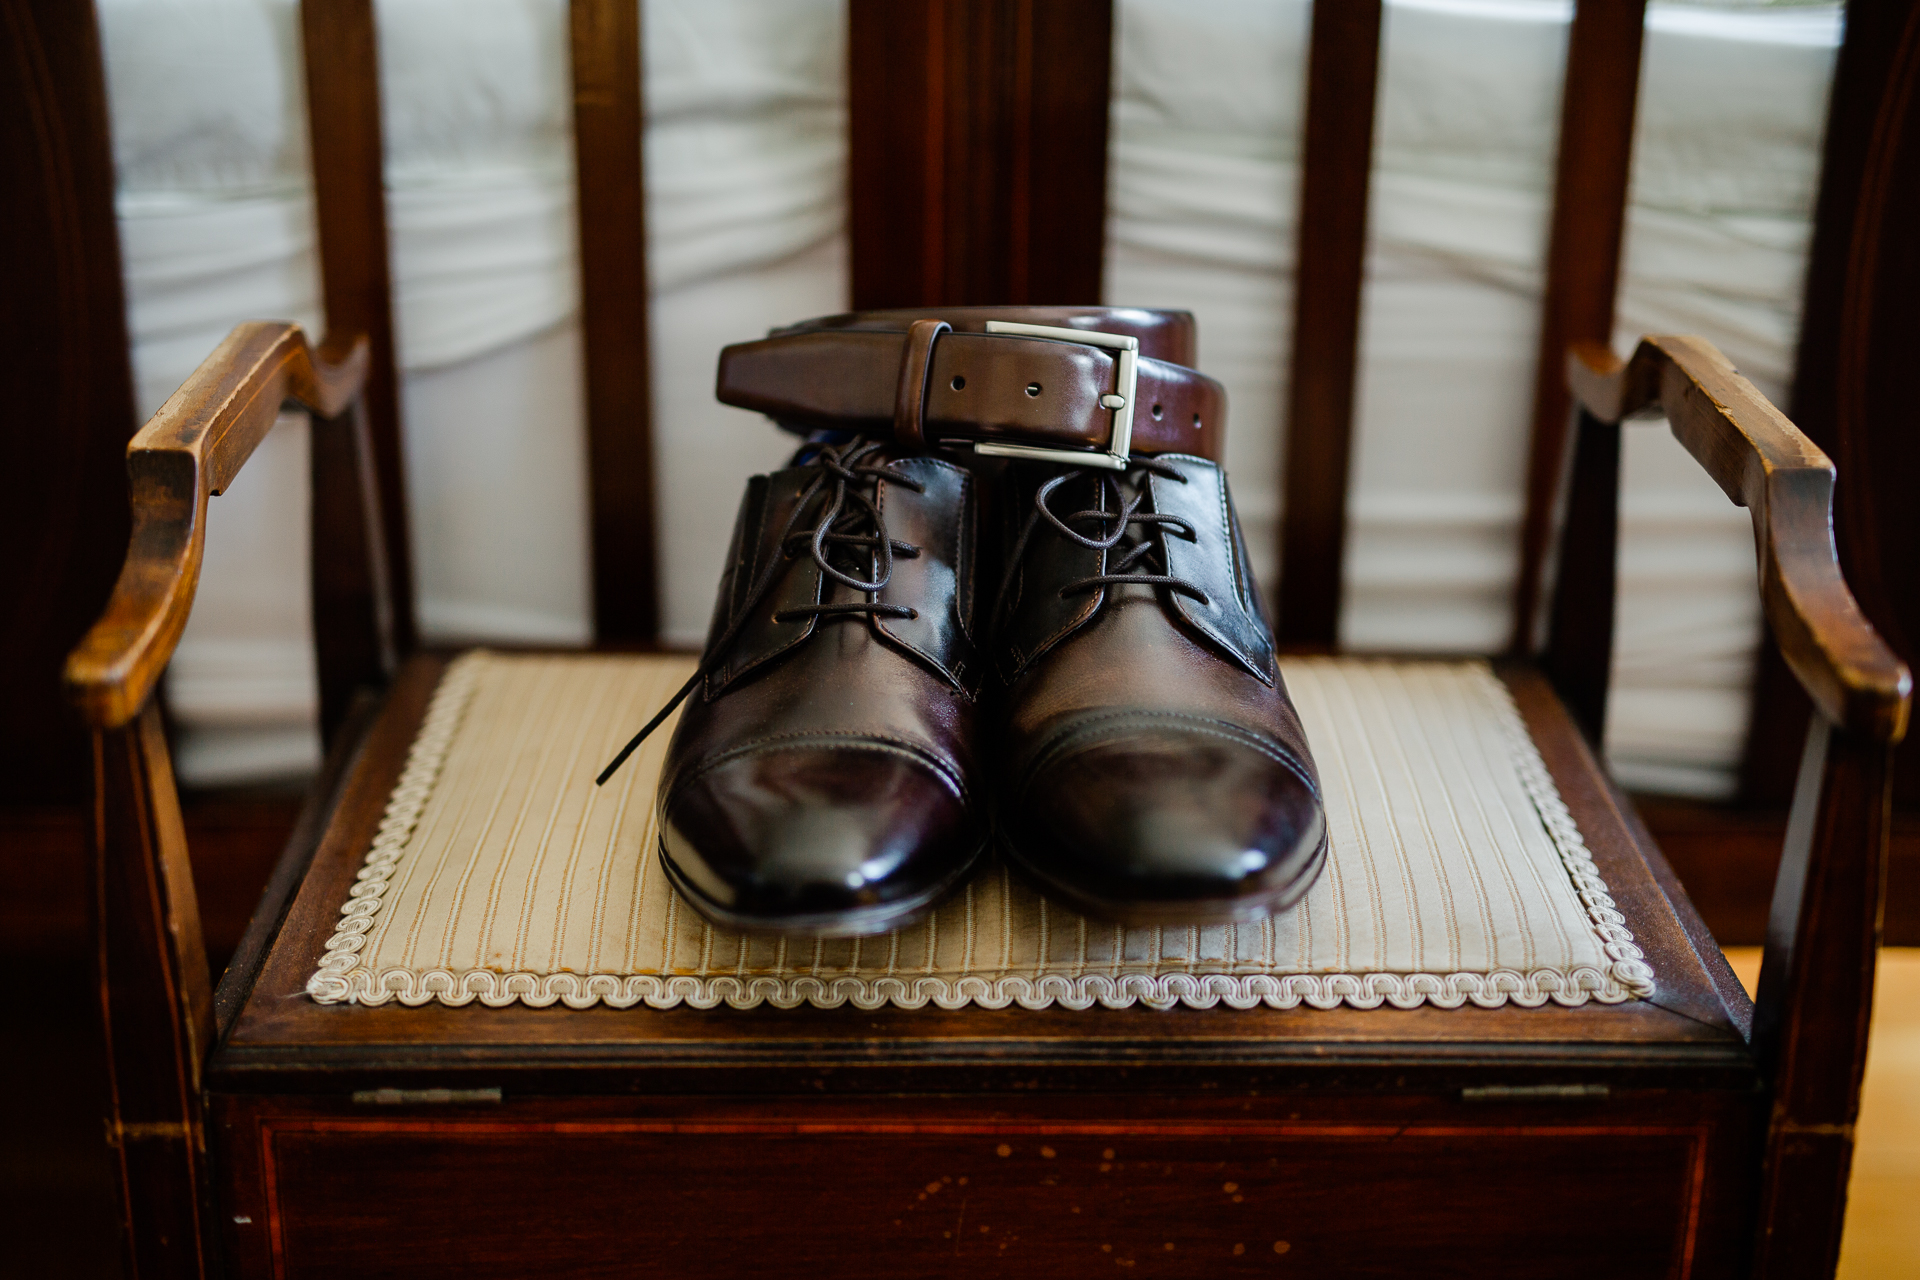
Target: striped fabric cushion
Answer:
[[502, 874]]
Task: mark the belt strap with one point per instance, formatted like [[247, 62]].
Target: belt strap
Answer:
[[1080, 384]]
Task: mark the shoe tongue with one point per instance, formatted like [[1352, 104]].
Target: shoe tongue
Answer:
[[928, 583], [1035, 617], [1214, 560], [764, 512], [1038, 618]]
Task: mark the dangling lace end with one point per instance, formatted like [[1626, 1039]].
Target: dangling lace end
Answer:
[[633, 744]]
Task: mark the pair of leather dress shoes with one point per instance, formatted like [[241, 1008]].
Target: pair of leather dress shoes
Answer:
[[1000, 591]]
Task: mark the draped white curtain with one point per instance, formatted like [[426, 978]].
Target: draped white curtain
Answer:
[[745, 148], [746, 145], [1202, 196]]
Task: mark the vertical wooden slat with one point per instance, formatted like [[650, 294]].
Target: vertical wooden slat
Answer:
[[1061, 226], [978, 138], [1336, 163], [352, 602], [1579, 656], [1857, 332], [1583, 258], [350, 208], [614, 297]]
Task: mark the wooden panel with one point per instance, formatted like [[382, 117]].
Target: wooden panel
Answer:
[[350, 211], [1583, 258], [1089, 1185], [1336, 160], [614, 300], [978, 135], [63, 360], [1851, 387]]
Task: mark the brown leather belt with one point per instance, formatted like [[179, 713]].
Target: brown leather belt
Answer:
[[1075, 384]]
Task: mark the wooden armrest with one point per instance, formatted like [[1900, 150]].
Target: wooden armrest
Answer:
[[1765, 464], [188, 451]]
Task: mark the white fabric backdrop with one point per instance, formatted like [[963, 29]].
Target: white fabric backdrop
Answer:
[[1203, 189], [746, 155]]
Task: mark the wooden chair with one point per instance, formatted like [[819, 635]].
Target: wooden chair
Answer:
[[1688, 1134]]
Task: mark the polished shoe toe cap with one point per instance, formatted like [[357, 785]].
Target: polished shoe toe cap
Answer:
[[1175, 821], [831, 838]]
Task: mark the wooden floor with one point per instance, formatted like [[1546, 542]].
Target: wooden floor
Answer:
[[1883, 1201]]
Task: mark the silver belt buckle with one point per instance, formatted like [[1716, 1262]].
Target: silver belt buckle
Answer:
[[1119, 400]]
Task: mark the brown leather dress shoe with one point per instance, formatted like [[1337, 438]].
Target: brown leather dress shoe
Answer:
[[821, 781], [1151, 767]]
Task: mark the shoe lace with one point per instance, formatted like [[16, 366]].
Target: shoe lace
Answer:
[[1121, 527], [847, 526]]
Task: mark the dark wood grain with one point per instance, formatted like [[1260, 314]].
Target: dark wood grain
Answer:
[[156, 999], [1765, 464], [614, 302], [64, 361], [342, 60], [1692, 976], [1005, 1186], [978, 151], [1336, 163], [373, 726], [1856, 326], [353, 637], [1823, 934], [1816, 995], [1583, 259], [1579, 654], [190, 450]]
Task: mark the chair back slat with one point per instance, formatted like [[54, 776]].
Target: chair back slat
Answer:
[[1343, 65], [1583, 269], [342, 57], [978, 150], [614, 299]]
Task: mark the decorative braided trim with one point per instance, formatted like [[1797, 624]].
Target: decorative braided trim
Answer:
[[1156, 991], [1630, 971], [328, 985], [341, 978]]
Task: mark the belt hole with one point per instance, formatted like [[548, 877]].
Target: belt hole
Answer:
[[959, 383], [1196, 422], [1033, 388], [1158, 412]]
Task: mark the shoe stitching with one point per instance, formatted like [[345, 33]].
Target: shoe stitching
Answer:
[[692, 770], [1066, 740]]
